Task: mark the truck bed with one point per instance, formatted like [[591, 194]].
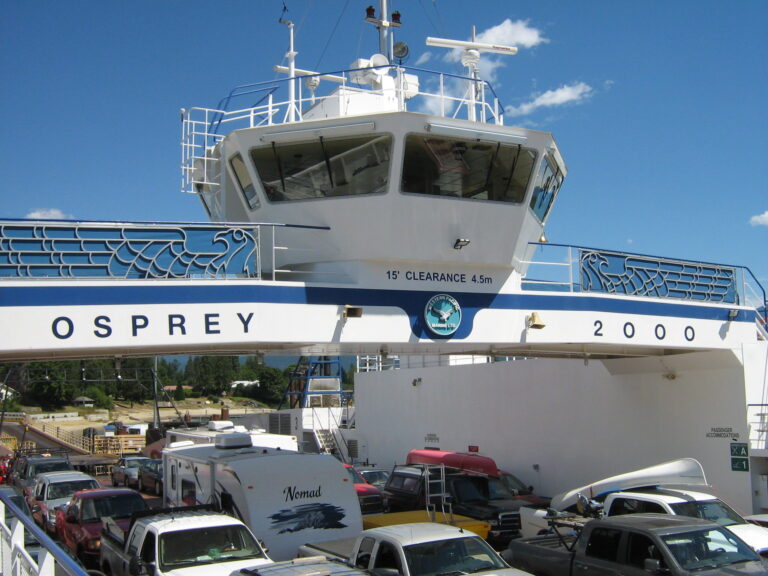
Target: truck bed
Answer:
[[340, 549], [479, 527]]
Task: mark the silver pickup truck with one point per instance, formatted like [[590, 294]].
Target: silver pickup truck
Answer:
[[636, 545], [179, 542]]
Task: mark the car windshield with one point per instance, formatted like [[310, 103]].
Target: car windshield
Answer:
[[497, 490], [44, 467], [448, 557], [66, 489], [133, 463], [354, 475], [376, 477], [120, 506], [207, 546], [709, 548], [514, 484], [714, 510]]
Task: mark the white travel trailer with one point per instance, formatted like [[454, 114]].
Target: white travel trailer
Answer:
[[286, 498], [215, 428]]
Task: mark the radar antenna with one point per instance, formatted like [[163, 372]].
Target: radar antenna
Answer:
[[470, 59]]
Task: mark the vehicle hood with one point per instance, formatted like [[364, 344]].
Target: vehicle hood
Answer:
[[504, 572], [231, 568], [53, 504], [755, 536], [488, 509], [367, 490], [94, 528], [740, 569]]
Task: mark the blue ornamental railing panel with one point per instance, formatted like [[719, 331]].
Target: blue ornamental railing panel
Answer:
[[617, 273], [40, 249]]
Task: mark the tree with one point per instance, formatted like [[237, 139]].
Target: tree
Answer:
[[179, 393]]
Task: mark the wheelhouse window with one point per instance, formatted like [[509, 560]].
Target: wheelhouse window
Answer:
[[473, 169], [548, 182], [244, 181], [324, 167]]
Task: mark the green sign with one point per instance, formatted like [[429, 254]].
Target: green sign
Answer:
[[740, 464], [739, 449], [739, 457]]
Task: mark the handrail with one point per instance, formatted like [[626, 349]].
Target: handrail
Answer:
[[52, 560], [612, 271], [135, 250]]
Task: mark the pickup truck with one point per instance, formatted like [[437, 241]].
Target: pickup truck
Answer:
[[309, 566], [179, 541], [469, 494], [418, 549], [678, 500], [636, 545], [79, 524]]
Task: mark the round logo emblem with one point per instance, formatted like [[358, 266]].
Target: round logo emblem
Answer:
[[442, 314]]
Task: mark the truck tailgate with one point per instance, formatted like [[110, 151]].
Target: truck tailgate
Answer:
[[479, 527], [339, 548]]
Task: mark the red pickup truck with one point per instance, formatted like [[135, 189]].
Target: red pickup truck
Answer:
[[79, 524]]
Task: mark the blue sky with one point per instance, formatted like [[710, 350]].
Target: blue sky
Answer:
[[659, 108]]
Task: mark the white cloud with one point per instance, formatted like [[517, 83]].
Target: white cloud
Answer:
[[424, 58], [759, 219], [48, 214], [571, 94], [516, 33]]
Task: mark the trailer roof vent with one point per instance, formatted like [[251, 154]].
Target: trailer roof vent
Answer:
[[234, 440]]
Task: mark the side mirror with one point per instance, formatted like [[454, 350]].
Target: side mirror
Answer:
[[653, 566], [35, 509], [71, 515], [137, 567]]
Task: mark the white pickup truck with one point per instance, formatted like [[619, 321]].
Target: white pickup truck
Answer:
[[181, 542], [419, 549]]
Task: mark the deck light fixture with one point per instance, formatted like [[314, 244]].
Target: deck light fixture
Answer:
[[353, 311], [733, 314], [534, 322], [460, 243]]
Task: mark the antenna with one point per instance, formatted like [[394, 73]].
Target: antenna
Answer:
[[470, 59]]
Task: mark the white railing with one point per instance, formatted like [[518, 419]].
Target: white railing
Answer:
[[447, 95], [46, 559]]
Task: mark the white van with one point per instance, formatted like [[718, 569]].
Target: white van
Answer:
[[286, 498]]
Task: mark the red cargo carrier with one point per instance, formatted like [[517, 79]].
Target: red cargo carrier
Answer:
[[459, 460]]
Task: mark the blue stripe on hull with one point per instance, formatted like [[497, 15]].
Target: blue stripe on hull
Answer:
[[412, 302]]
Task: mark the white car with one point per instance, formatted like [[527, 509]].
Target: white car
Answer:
[[54, 489], [126, 471]]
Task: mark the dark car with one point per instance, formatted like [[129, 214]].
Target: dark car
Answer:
[[151, 477], [377, 477], [26, 466], [31, 544], [79, 524]]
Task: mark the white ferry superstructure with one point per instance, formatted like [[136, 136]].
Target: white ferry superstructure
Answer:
[[389, 216]]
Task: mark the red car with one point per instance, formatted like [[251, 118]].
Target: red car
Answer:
[[371, 500], [79, 524]]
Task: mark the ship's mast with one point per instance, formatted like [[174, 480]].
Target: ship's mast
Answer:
[[384, 26]]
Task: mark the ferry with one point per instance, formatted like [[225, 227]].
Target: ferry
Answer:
[[390, 213]]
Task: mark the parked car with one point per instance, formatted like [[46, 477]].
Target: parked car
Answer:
[[151, 477], [28, 465], [370, 497], [126, 471], [79, 524], [55, 489], [31, 544], [375, 476]]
